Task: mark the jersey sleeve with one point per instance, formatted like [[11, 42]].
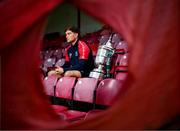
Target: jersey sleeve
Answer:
[[83, 50]]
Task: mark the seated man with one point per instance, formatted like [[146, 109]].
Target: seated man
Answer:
[[79, 58]]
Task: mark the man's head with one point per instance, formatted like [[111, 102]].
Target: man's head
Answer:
[[72, 34]]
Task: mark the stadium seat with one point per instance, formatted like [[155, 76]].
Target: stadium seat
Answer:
[[122, 45], [83, 92], [121, 66], [47, 54], [103, 39], [60, 62], [48, 63], [49, 84], [124, 60], [64, 89], [116, 38], [58, 54], [121, 72], [106, 93], [84, 89]]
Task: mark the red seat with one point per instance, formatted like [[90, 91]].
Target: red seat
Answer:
[[58, 108], [124, 60], [106, 94], [84, 92], [60, 62], [84, 89], [116, 38], [64, 89], [121, 72], [121, 76], [47, 54], [49, 84], [107, 91], [48, 63], [120, 67], [122, 45], [103, 39], [118, 59], [57, 54], [92, 113], [73, 115]]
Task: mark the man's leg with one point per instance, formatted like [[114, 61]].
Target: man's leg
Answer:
[[53, 72], [74, 73]]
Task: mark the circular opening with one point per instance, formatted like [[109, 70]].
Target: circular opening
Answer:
[[104, 43]]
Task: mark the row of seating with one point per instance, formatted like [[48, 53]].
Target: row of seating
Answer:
[[120, 59], [52, 56], [88, 90]]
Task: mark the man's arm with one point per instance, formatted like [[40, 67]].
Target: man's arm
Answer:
[[84, 52]]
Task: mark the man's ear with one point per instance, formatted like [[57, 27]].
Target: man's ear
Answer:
[[76, 34]]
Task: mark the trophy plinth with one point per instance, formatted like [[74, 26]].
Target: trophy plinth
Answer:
[[98, 73]]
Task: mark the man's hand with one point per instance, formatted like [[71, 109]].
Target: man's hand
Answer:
[[59, 70]]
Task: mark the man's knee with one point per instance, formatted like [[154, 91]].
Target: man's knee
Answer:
[[73, 73], [67, 73], [53, 72]]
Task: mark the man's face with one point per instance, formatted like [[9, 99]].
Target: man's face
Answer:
[[71, 36]]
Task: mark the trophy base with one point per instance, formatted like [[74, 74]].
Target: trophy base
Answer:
[[98, 74]]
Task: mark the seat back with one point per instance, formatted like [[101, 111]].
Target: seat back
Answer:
[[64, 87], [121, 72], [58, 53], [121, 76], [122, 45], [50, 62], [103, 39], [47, 54], [60, 62], [124, 60], [107, 90], [120, 68], [84, 89], [118, 59], [49, 84]]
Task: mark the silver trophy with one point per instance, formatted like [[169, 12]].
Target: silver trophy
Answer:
[[103, 60]]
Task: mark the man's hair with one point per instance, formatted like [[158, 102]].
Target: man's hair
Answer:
[[73, 29]]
